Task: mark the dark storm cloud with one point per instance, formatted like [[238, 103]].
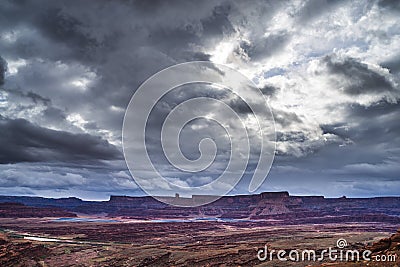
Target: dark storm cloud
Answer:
[[24, 16], [393, 64], [269, 90], [285, 118], [55, 30], [378, 109], [298, 137], [54, 115], [65, 29], [378, 122], [315, 8], [265, 46], [120, 43], [3, 69], [360, 78], [390, 4], [239, 106], [218, 23], [369, 133], [338, 129], [196, 56], [22, 141], [67, 178], [35, 98], [177, 42]]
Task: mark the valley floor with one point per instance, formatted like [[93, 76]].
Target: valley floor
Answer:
[[46, 242]]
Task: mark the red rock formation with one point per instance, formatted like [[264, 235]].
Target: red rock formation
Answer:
[[17, 210]]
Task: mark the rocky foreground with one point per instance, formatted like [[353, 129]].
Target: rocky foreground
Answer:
[[180, 244], [385, 253]]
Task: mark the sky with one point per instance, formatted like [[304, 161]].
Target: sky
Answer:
[[330, 71]]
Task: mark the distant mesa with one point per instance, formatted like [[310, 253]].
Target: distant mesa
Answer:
[[276, 208]]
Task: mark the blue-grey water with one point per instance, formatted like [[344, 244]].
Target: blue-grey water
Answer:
[[206, 219], [83, 220]]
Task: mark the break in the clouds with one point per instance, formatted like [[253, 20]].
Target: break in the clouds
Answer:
[[331, 71]]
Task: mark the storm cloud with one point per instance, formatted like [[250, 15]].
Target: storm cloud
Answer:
[[329, 69], [22, 141], [361, 79], [3, 68]]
